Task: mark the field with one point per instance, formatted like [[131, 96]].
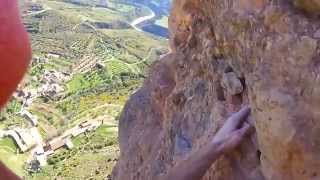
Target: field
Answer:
[[10, 155]]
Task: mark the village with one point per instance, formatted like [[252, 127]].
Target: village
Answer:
[[29, 140]]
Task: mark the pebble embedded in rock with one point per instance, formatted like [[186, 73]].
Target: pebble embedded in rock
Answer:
[[231, 83]]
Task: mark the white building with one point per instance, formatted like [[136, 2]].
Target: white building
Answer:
[[33, 119], [69, 143], [22, 137], [53, 55], [103, 3], [42, 159]]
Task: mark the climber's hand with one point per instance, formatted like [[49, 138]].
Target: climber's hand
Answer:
[[228, 137], [233, 131]]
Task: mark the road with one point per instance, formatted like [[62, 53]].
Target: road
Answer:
[[142, 19], [38, 149], [36, 12]]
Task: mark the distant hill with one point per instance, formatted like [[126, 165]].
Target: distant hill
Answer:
[[162, 6]]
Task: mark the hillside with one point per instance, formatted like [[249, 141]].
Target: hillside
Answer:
[[87, 61]]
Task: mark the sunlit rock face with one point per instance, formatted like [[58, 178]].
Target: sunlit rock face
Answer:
[[226, 54]]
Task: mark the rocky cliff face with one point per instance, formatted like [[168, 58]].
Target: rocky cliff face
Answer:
[[227, 53]]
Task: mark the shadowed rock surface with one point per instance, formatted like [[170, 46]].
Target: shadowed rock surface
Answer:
[[271, 49]]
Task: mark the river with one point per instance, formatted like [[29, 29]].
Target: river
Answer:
[[142, 19], [150, 27]]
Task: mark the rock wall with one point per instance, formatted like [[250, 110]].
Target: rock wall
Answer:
[[227, 53]]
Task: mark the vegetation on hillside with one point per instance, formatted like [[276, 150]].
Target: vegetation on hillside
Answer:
[[101, 61], [93, 156]]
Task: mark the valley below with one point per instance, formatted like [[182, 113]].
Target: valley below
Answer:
[[88, 58]]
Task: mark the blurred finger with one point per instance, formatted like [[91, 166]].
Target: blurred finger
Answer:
[[236, 119], [246, 129], [237, 137], [241, 115]]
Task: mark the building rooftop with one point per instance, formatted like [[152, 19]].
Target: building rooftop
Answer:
[[56, 144], [30, 117], [25, 136], [69, 143]]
